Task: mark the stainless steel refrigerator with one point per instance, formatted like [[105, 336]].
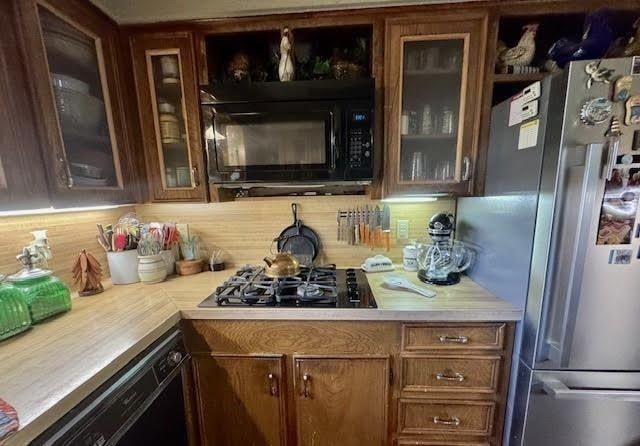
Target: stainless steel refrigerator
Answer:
[[557, 233]]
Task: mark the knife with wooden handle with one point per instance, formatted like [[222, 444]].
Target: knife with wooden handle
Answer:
[[386, 226]]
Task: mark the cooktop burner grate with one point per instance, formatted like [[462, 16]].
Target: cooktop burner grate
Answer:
[[316, 286]]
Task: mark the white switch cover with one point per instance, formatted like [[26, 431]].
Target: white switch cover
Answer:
[[403, 229]]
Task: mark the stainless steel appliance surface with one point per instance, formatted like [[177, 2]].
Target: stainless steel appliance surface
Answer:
[[559, 233], [141, 404], [287, 133], [315, 286]]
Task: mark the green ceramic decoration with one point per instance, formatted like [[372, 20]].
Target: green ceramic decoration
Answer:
[[44, 294], [14, 312]]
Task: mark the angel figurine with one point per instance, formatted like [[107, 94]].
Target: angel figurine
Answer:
[[286, 68]]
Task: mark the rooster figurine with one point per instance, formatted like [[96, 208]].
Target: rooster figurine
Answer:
[[596, 39], [521, 54], [286, 68]]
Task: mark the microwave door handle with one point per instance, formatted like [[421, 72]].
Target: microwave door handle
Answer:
[[332, 136], [560, 391]]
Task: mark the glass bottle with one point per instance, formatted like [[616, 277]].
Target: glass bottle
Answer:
[[14, 312], [44, 294]]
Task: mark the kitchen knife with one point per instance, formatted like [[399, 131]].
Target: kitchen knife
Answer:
[[378, 228], [386, 226]]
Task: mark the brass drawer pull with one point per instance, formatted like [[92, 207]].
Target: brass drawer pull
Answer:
[[273, 384], [306, 390], [453, 421], [449, 376], [453, 339]]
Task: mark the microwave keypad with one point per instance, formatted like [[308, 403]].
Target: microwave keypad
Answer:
[[359, 148]]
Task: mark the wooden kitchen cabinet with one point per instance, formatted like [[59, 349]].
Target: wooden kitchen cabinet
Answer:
[[341, 400], [168, 105], [241, 399], [70, 54], [433, 74]]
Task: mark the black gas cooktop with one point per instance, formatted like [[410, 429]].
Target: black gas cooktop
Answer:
[[316, 286]]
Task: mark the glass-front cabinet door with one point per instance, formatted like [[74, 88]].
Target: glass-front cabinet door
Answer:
[[169, 116], [70, 53], [434, 71]]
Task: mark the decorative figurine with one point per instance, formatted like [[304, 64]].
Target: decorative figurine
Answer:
[[521, 54], [633, 47], [622, 88], [598, 74], [596, 39], [286, 68], [87, 273], [238, 67], [632, 112]]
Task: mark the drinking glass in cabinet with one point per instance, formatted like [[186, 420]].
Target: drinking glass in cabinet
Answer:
[[165, 78], [430, 147], [77, 73]]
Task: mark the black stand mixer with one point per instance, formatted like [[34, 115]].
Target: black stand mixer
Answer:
[[442, 261]]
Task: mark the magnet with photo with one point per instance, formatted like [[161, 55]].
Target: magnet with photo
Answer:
[[619, 206], [632, 113], [620, 256], [622, 88]]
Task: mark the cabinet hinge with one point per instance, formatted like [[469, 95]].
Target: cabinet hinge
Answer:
[[390, 375]]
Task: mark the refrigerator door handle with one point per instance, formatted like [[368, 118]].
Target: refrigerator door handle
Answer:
[[560, 391]]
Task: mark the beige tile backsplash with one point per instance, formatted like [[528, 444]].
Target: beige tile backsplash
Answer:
[[243, 229]]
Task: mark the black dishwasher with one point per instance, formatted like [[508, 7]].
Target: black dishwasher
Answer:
[[142, 404]]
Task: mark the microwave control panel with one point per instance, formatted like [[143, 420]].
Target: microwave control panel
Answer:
[[360, 139]]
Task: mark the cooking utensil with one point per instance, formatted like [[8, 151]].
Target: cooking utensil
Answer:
[[281, 266], [378, 227], [297, 228], [386, 226], [400, 283]]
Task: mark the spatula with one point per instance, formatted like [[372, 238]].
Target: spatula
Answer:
[[400, 283]]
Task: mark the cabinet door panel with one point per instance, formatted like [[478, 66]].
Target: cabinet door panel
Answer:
[[241, 399], [70, 50], [341, 400], [433, 78], [169, 116]]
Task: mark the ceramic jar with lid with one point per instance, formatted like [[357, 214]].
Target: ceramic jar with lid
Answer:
[[152, 269], [410, 258], [44, 294]]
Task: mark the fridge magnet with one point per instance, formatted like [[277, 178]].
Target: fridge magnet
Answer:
[[638, 230], [636, 141], [635, 65], [619, 207], [622, 88], [632, 112], [595, 111], [628, 159], [596, 73], [620, 257]]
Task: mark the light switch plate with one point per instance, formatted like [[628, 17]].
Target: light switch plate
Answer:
[[403, 230]]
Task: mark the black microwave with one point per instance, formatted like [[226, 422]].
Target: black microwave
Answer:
[[289, 132]]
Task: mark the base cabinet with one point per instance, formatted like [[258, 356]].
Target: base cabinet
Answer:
[[240, 399], [349, 383]]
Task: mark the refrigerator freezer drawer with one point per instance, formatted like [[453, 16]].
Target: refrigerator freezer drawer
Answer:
[[583, 408]]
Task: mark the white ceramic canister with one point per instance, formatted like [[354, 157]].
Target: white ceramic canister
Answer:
[[410, 258], [169, 257], [152, 269], [123, 267]]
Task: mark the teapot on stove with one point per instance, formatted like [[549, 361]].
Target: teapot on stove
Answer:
[[442, 261]]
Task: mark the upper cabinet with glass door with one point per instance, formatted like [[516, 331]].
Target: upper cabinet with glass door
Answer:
[[434, 69], [169, 116], [72, 59]]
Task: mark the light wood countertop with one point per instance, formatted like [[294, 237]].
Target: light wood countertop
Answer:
[[52, 367]]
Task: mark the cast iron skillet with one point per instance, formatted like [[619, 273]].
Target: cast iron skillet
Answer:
[[290, 237]]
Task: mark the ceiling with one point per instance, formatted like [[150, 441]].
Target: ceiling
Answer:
[[148, 11]]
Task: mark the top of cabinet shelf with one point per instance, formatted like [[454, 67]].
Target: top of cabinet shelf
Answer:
[[434, 72], [514, 78]]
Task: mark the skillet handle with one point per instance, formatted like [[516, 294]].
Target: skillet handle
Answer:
[[294, 210]]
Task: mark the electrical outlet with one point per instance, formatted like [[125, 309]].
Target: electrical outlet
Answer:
[[402, 232]]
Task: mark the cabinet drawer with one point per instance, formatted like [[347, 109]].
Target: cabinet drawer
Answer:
[[453, 337], [418, 442], [426, 373], [419, 417]]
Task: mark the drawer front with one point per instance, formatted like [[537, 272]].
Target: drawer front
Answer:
[[418, 442], [419, 417], [426, 373], [453, 337]]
